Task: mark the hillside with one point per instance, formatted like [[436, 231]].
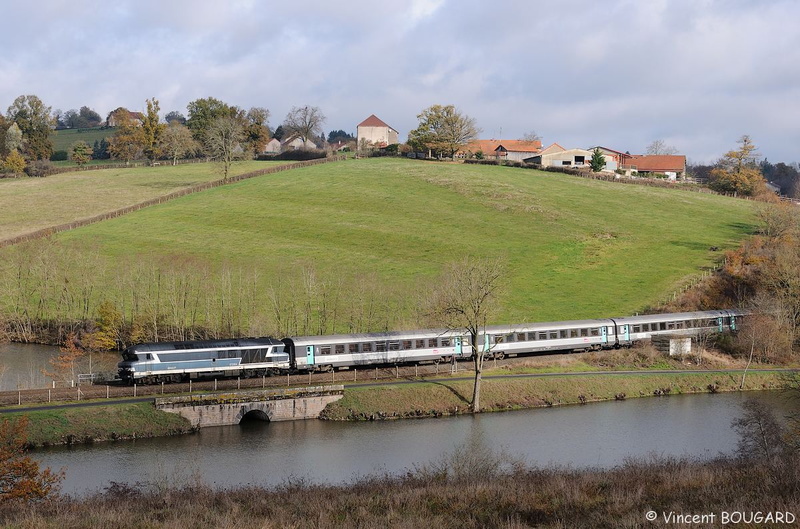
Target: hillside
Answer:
[[377, 229], [65, 138], [29, 204]]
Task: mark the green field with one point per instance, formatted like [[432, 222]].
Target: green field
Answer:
[[63, 140], [574, 247], [30, 204]]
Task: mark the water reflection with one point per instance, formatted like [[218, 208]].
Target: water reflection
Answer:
[[22, 366], [272, 454]]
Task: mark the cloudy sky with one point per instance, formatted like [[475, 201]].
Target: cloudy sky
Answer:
[[619, 73]]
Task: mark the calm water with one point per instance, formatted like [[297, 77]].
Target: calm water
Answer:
[[21, 365], [602, 434]]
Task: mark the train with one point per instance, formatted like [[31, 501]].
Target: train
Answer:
[[151, 363]]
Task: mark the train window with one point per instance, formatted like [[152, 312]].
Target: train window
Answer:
[[325, 350], [465, 341], [498, 338], [366, 347], [563, 333], [380, 347], [573, 333], [340, 349], [594, 331], [637, 328], [542, 336], [680, 324], [663, 326], [445, 342], [352, 348], [432, 342], [394, 346], [521, 337], [554, 335], [420, 344], [408, 344]]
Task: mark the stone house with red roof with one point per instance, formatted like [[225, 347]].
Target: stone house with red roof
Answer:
[[377, 133]]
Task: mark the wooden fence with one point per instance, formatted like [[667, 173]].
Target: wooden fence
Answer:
[[46, 232]]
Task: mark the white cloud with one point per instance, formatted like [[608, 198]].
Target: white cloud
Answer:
[[620, 72]]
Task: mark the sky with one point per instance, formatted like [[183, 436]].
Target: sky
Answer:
[[697, 74]]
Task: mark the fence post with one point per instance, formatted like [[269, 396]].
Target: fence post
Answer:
[[19, 398], [134, 389], [48, 395]]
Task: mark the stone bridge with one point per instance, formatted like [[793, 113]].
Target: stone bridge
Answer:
[[219, 409]]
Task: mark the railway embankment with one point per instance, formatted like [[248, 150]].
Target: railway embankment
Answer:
[[437, 398], [409, 398]]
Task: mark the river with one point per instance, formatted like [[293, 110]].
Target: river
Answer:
[[22, 365], [259, 453]]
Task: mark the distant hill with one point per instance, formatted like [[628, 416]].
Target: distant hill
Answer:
[[65, 138]]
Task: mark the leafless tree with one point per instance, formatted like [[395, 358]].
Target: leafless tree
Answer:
[[304, 122], [531, 135], [760, 434], [661, 147], [463, 300], [223, 142]]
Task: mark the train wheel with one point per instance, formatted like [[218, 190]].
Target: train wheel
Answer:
[[499, 356]]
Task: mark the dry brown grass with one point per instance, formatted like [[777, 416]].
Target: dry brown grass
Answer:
[[465, 491]]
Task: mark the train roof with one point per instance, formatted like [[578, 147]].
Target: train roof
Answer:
[[678, 316], [203, 344]]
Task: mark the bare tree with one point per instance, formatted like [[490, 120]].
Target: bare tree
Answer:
[[531, 136], [464, 299], [177, 141], [305, 122], [223, 142], [661, 147]]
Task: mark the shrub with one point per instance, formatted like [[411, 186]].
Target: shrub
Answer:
[[300, 155], [59, 156], [39, 168]]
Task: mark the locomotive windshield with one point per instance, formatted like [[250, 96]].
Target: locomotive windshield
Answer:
[[128, 356]]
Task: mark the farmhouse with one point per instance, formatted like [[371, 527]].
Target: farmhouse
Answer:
[[375, 132], [114, 117], [672, 165], [273, 146], [517, 150], [295, 143], [557, 156]]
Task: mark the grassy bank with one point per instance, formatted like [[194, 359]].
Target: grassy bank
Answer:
[[445, 397], [101, 423]]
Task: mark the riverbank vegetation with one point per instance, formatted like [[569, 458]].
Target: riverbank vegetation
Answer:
[[351, 246], [473, 486]]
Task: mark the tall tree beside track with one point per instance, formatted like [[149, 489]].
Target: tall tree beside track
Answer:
[[304, 122], [152, 130], [33, 118], [464, 299], [443, 130]]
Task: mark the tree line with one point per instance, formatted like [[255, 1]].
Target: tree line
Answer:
[[213, 129]]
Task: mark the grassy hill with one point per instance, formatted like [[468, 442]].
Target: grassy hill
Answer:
[[574, 247], [64, 139], [30, 204]]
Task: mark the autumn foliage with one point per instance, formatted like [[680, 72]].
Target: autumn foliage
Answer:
[[20, 476]]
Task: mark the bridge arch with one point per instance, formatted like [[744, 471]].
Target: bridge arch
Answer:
[[258, 411]]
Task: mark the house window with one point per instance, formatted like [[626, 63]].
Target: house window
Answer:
[[566, 162], [580, 160]]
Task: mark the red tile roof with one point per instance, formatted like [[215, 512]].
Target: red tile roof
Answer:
[[373, 121], [485, 146], [520, 145], [658, 162]]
